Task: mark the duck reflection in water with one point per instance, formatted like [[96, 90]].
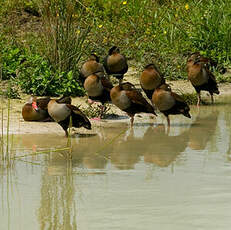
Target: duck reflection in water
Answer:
[[84, 155], [165, 148], [128, 149], [203, 128]]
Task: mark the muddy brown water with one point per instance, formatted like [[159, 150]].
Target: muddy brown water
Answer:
[[123, 178]]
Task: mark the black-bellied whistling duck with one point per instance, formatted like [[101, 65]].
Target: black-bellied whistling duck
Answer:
[[115, 63], [151, 79], [98, 88], [62, 113], [169, 103], [201, 77], [209, 62], [36, 109], [91, 66], [129, 99]]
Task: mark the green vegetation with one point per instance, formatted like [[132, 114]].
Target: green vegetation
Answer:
[[189, 98], [95, 111], [43, 43]]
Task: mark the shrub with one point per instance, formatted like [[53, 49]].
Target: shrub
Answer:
[[38, 77], [35, 75], [11, 57]]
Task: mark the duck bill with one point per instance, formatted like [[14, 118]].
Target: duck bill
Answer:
[[34, 105]]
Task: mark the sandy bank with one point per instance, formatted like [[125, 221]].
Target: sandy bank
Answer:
[[18, 125]]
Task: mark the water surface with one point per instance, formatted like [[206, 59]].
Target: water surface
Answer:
[[123, 178]]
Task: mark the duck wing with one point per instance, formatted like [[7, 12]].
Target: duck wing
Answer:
[[137, 98], [79, 119], [64, 100], [43, 102], [75, 109], [210, 75], [106, 83], [177, 97]]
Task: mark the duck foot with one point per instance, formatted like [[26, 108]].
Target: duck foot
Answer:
[[90, 102]]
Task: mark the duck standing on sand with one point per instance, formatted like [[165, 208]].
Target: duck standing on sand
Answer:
[[98, 88], [201, 77], [115, 63], [62, 112], [169, 103], [126, 97], [151, 79]]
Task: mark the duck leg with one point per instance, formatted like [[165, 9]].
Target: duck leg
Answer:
[[66, 133], [102, 110], [168, 120], [212, 100], [90, 102], [198, 99], [132, 120]]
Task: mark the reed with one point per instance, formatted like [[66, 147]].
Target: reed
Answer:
[[64, 33], [5, 144], [2, 114], [47, 151], [69, 141], [7, 157]]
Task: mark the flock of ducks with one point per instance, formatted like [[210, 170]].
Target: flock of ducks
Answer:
[[96, 81]]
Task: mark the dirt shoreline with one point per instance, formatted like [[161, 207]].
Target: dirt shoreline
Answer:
[[19, 126]]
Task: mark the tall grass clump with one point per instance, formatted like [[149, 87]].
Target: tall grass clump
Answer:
[[213, 34], [48, 65], [63, 33]]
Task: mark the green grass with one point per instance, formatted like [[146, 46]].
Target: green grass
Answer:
[[95, 111], [190, 98], [56, 43]]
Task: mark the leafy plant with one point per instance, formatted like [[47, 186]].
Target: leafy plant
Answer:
[[11, 57], [39, 78], [95, 111]]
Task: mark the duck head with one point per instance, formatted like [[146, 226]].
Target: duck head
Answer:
[[113, 50], [94, 57], [84, 122], [165, 87], [150, 66], [33, 103]]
